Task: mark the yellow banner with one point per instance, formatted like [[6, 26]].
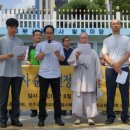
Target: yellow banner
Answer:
[[30, 90]]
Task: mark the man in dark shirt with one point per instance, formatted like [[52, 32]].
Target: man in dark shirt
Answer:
[[67, 52], [67, 49]]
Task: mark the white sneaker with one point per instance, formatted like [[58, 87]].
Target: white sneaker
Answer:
[[91, 122], [77, 122]]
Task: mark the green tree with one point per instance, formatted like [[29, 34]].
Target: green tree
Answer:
[[81, 5], [96, 5], [123, 4]]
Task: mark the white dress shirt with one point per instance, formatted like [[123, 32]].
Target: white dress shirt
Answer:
[[49, 67], [116, 46]]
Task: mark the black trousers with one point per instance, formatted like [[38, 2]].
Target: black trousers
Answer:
[[5, 83], [111, 86], [55, 86]]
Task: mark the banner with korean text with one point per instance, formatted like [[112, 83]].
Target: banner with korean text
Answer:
[[30, 90]]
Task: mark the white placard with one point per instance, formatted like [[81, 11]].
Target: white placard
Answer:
[[51, 48], [85, 49], [121, 78], [18, 50]]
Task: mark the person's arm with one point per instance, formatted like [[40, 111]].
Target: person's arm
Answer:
[[125, 57], [108, 60], [6, 57], [73, 58], [123, 60], [105, 52], [114, 65], [39, 54], [60, 53], [59, 56]]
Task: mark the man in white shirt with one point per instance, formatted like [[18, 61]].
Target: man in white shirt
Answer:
[[116, 51], [10, 74], [49, 74]]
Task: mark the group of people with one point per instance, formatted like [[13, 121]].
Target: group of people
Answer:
[[86, 77]]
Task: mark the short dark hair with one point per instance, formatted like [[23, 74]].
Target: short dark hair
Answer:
[[36, 31], [12, 22], [48, 26], [65, 38]]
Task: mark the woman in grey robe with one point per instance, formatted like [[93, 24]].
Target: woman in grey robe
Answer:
[[87, 73]]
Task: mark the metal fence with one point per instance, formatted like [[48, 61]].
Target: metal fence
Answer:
[[68, 19]]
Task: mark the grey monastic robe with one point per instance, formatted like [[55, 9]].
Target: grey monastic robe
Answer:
[[87, 70]]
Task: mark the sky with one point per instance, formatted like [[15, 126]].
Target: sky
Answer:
[[17, 4]]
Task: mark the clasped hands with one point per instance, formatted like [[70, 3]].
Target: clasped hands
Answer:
[[117, 67]]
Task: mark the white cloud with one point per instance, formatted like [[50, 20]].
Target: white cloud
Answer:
[[25, 3]]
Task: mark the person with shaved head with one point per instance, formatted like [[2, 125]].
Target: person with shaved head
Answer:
[[116, 51], [86, 77]]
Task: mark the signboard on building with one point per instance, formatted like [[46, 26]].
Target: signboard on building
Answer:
[[69, 31]]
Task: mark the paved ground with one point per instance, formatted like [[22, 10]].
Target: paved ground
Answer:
[[31, 123]]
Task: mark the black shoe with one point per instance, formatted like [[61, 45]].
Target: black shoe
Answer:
[[3, 125], [17, 123], [63, 112], [126, 122], [109, 121], [41, 123], [33, 114], [59, 122]]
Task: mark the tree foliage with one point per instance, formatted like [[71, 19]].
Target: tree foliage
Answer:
[[123, 4], [96, 5]]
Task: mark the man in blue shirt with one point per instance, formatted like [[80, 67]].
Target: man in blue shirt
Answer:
[[49, 74]]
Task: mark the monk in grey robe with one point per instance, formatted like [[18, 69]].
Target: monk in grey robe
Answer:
[[87, 74]]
